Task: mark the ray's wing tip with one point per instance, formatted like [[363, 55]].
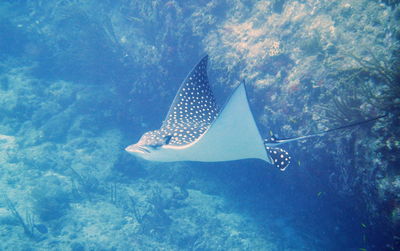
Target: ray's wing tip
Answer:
[[204, 59]]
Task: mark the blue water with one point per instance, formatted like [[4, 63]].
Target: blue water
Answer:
[[81, 80]]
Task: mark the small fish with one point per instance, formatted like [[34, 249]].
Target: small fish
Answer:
[[319, 194], [363, 225], [362, 249]]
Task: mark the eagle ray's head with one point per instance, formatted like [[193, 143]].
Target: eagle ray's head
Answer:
[[149, 144]]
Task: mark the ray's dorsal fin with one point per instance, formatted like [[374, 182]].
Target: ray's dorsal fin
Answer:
[[193, 109]]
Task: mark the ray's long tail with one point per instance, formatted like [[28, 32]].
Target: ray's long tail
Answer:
[[280, 158]]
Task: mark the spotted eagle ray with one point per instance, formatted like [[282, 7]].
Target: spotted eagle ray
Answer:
[[195, 130]]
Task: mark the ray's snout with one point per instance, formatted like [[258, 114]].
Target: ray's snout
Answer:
[[136, 149], [131, 148]]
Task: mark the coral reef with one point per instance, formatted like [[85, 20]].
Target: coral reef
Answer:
[[341, 65], [59, 189]]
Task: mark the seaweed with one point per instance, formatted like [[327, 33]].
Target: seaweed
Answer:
[[344, 110], [375, 82], [387, 74], [83, 183], [153, 218], [113, 193], [137, 213], [345, 105], [384, 70], [28, 224]]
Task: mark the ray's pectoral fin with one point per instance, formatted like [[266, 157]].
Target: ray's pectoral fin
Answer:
[[233, 135], [280, 158]]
